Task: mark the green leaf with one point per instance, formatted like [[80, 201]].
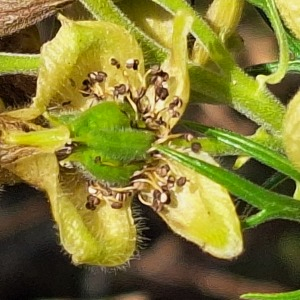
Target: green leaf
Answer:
[[293, 67], [11, 63], [295, 295], [258, 151]]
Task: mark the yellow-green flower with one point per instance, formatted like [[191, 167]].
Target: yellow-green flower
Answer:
[[107, 115]]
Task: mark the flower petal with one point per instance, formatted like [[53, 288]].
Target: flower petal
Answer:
[[202, 212], [290, 12], [176, 65], [79, 48], [194, 206], [105, 236], [291, 131]]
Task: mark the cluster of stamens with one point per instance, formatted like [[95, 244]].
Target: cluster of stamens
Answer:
[[98, 192], [156, 185], [145, 100]]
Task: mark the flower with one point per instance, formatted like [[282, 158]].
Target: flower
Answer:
[[106, 116]]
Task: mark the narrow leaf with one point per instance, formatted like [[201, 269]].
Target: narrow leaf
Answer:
[[295, 295], [277, 206], [258, 151]]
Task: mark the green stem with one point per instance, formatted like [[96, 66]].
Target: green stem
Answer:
[[255, 220], [241, 92], [201, 30], [232, 86], [11, 63]]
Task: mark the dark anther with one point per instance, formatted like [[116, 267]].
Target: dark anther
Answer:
[[114, 62], [160, 121], [132, 64], [90, 206], [66, 103], [156, 194], [157, 206], [136, 64], [171, 182], [177, 102], [116, 205], [171, 179], [97, 76], [25, 128], [163, 75], [196, 147], [120, 89], [163, 170], [165, 188], [154, 153], [93, 199], [181, 181], [86, 82], [161, 92], [92, 202], [188, 137], [165, 198], [64, 152]]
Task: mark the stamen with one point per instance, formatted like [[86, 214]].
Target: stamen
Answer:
[[132, 63], [161, 92], [114, 62], [188, 137], [92, 190], [116, 205], [97, 77], [92, 202], [165, 198], [196, 147], [120, 89], [181, 181]]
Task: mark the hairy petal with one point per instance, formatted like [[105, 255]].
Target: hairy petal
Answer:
[[291, 131], [105, 237], [290, 12], [202, 212], [81, 47]]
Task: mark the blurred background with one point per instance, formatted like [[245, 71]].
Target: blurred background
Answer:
[[34, 266]]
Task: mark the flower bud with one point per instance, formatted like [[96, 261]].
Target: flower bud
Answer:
[[291, 131], [290, 13]]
